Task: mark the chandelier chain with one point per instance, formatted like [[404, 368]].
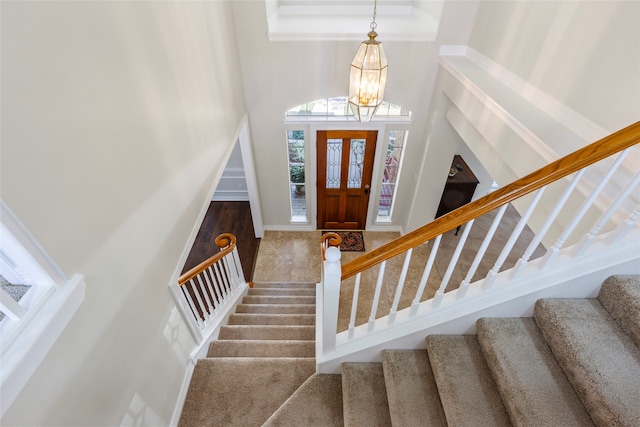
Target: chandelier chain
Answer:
[[375, 7]]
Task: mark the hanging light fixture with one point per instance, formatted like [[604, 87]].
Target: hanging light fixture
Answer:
[[368, 76]]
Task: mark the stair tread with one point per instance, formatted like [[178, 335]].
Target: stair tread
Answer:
[[296, 285], [268, 332], [216, 397], [533, 387], [317, 403], [364, 395], [281, 292], [277, 308], [468, 393], [620, 295], [269, 299], [587, 341], [411, 389], [271, 319], [262, 348]]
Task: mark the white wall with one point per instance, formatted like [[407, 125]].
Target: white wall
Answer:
[[117, 118], [584, 53], [280, 75], [550, 46]]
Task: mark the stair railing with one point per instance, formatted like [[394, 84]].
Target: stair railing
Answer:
[[208, 288], [625, 203]]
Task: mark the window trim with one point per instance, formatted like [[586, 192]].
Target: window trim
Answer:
[[27, 341]]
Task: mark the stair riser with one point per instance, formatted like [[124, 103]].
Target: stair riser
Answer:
[[278, 300], [282, 292], [241, 332], [272, 319], [276, 308], [240, 348], [263, 285]]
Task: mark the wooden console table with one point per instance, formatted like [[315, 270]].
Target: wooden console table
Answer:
[[459, 188]]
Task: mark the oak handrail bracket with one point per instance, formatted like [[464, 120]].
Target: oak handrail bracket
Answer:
[[226, 242], [588, 155]]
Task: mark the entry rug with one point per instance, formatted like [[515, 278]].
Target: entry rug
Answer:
[[352, 241]]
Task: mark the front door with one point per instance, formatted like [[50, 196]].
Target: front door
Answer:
[[345, 164]]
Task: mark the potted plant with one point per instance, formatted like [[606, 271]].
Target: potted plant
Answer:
[[297, 177]]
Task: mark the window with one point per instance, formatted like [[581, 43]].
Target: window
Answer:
[[393, 162], [338, 109], [297, 181]]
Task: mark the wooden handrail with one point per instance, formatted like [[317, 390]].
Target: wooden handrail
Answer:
[[226, 242], [554, 171]]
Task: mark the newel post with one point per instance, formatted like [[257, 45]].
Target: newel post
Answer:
[[331, 297]]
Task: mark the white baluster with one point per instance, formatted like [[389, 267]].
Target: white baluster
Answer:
[[555, 249], [589, 237], [221, 280], [354, 306], [192, 304], [425, 275], [376, 296], [522, 262], [226, 276], [624, 228], [331, 293], [464, 286], [204, 292], [211, 292], [403, 276], [216, 285], [491, 276], [452, 264]]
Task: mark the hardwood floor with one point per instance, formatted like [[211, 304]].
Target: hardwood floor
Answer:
[[226, 217]]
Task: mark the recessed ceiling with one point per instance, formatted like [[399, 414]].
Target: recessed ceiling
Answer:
[[398, 20]]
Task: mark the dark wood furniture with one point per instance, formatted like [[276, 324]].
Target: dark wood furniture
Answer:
[[459, 188]]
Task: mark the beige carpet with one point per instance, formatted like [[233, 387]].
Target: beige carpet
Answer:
[[572, 364], [286, 256]]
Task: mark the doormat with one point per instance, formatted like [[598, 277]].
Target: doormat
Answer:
[[352, 241]]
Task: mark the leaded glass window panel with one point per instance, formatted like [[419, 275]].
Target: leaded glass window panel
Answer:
[[356, 158], [334, 162]]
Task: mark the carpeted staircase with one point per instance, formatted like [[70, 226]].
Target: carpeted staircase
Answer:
[[575, 363]]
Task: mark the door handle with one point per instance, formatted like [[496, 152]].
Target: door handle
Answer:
[[366, 189]]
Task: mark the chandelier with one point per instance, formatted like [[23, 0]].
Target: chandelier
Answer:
[[368, 76]]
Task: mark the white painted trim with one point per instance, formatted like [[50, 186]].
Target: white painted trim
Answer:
[[565, 115], [381, 227], [34, 258], [292, 227], [523, 132], [244, 138], [29, 349]]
